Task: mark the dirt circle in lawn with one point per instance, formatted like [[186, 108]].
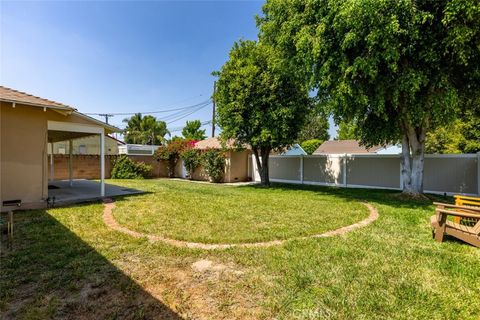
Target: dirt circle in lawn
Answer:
[[216, 216]]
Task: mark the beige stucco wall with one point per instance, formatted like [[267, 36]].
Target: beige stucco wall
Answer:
[[23, 144], [237, 166], [91, 144], [23, 155]]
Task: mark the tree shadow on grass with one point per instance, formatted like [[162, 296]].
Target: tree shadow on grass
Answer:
[[49, 272], [380, 196]]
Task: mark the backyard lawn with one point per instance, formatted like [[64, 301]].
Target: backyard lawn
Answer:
[[66, 263]]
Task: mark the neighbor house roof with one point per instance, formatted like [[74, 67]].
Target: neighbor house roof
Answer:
[[11, 95], [344, 146], [214, 143]]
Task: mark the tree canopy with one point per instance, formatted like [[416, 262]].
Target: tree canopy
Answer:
[[346, 131], [192, 131], [460, 136], [145, 130], [259, 101], [399, 68], [309, 146], [315, 128]]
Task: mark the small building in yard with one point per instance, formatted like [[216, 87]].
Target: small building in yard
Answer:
[[237, 160], [28, 127], [87, 145], [294, 150], [137, 149], [353, 147]]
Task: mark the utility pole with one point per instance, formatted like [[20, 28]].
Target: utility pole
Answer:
[[106, 115], [213, 111]]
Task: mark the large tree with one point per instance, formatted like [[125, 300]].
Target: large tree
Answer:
[[145, 130], [398, 67], [260, 103], [192, 131], [460, 136], [346, 131], [315, 128]]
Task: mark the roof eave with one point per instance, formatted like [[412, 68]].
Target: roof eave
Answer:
[[63, 108], [103, 124]]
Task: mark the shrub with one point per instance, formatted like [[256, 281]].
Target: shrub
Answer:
[[213, 161], [171, 153], [309, 146], [192, 160], [126, 168]]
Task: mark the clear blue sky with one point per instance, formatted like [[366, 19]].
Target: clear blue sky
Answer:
[[116, 56]]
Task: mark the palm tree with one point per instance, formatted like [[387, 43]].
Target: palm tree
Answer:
[[145, 130]]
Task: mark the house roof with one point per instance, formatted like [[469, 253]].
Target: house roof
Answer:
[[294, 150], [116, 140], [214, 143], [344, 146], [11, 95], [15, 96]]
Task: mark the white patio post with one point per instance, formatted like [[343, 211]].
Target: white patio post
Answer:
[[102, 163], [52, 173], [70, 167]]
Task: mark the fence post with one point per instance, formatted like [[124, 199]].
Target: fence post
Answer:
[[478, 173], [345, 170], [301, 168]]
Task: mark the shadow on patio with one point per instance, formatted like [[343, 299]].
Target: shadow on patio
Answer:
[[50, 272]]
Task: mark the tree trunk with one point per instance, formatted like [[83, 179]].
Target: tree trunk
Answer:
[[262, 164], [413, 155]]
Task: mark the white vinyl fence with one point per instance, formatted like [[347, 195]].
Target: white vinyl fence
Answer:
[[450, 174]]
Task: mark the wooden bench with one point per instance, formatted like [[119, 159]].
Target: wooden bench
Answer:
[[442, 226]]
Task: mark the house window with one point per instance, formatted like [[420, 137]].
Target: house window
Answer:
[[82, 149]]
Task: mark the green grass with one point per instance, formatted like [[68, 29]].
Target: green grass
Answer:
[[66, 263], [228, 214]]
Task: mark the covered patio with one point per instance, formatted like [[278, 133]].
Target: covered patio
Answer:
[[29, 127]]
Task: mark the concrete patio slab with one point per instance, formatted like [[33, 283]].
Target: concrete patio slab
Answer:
[[84, 190]]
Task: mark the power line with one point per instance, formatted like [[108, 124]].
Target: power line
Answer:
[[186, 115], [176, 129], [151, 112], [181, 113]]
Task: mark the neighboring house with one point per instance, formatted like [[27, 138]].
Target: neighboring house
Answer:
[[27, 125], [137, 149], [88, 145], [237, 160], [294, 150], [353, 147]]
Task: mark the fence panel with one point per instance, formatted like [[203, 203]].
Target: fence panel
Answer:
[[323, 170], [454, 174], [449, 174], [380, 172], [284, 168]]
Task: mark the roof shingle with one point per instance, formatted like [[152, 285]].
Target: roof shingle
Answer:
[[11, 95], [344, 146], [214, 143]]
